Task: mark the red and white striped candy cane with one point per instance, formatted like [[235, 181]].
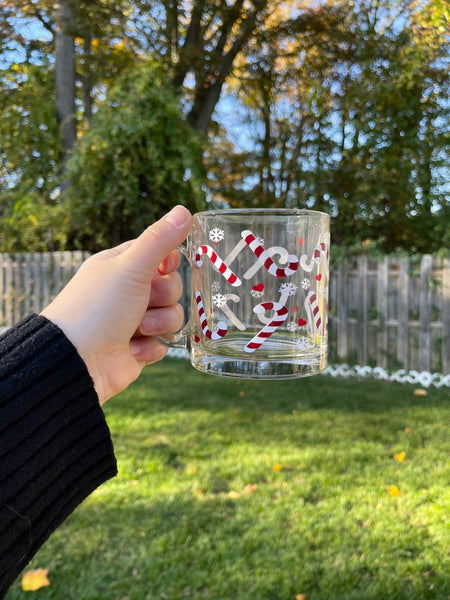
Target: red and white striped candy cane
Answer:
[[265, 333], [265, 259], [221, 326], [218, 263], [312, 307], [320, 250]]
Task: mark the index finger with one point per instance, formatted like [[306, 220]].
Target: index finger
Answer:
[[170, 263]]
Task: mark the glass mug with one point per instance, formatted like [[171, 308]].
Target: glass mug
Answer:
[[259, 293]]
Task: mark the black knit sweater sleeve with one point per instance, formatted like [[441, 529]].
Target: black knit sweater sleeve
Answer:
[[55, 445]]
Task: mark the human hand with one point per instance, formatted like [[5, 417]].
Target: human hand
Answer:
[[119, 299]]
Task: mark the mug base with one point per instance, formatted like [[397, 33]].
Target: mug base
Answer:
[[260, 369]]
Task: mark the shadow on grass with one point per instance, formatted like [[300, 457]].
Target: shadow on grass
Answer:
[[219, 548], [178, 384], [313, 411]]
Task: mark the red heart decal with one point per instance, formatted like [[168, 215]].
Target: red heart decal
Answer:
[[294, 308], [318, 277], [301, 241], [301, 322], [258, 288], [197, 339]]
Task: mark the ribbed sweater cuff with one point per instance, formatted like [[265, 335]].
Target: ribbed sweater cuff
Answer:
[[55, 445]]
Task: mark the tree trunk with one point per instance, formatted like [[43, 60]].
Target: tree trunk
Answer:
[[211, 76], [65, 81], [86, 81]]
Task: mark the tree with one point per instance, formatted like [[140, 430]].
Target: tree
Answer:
[[91, 42], [41, 117], [138, 159], [82, 45], [199, 39], [349, 115], [345, 101], [30, 156]]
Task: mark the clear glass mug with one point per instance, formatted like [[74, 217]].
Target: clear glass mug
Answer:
[[259, 293]]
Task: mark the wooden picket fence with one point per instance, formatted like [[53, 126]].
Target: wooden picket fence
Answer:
[[391, 312], [29, 281]]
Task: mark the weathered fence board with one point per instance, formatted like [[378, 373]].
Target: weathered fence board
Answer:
[[392, 312], [28, 282]]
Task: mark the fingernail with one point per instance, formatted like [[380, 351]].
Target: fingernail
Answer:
[[149, 325], [178, 216], [135, 347]]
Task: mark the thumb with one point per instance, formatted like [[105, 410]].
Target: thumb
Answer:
[[148, 251]]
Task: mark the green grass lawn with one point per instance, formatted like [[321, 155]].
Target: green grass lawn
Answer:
[[232, 489]]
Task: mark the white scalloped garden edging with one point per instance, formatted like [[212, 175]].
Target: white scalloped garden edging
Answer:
[[424, 378]]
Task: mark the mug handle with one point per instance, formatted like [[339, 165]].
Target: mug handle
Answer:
[[179, 339]]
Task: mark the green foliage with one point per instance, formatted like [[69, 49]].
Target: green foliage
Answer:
[[33, 225], [30, 155], [348, 108], [347, 112], [138, 159]]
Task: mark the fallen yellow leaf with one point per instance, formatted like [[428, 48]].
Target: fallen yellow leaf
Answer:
[[35, 580], [300, 597], [191, 470], [400, 456], [420, 392], [250, 488], [233, 494], [277, 467], [408, 430], [394, 491]]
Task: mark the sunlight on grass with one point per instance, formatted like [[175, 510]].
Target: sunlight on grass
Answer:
[[263, 491]]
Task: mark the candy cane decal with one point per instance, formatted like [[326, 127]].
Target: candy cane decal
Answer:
[[218, 263], [282, 252], [312, 308], [236, 250], [220, 300], [281, 313], [265, 259], [320, 250], [221, 326]]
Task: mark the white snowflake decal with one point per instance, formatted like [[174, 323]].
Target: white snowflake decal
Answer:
[[303, 343], [216, 235], [292, 326], [288, 289], [305, 284], [322, 292], [215, 287], [219, 300]]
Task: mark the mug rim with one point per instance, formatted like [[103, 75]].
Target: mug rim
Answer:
[[285, 212]]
